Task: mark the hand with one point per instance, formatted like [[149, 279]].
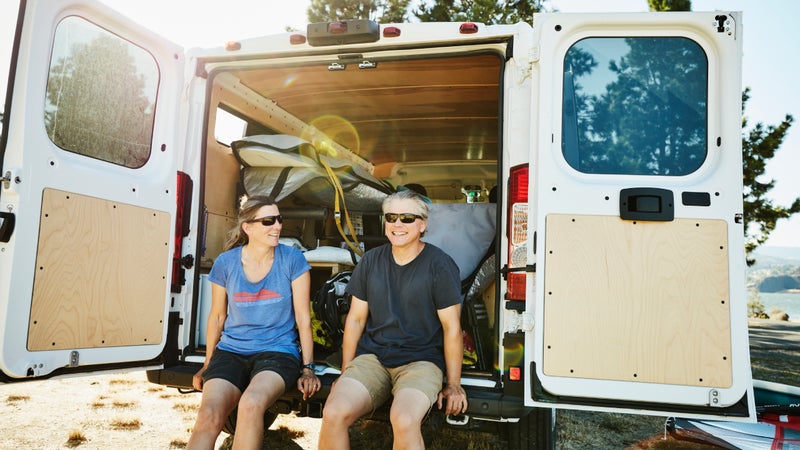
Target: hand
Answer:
[[308, 383], [456, 399], [197, 379]]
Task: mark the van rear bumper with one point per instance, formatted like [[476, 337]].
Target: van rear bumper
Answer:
[[484, 403]]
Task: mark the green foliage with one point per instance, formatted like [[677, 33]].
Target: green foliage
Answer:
[[484, 11], [97, 105], [647, 119], [382, 11], [397, 11], [759, 145], [670, 5], [755, 307]]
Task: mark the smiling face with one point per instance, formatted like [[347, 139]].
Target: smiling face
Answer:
[[261, 234], [403, 234]]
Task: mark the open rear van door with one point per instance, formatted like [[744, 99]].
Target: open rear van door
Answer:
[[640, 299], [88, 193]]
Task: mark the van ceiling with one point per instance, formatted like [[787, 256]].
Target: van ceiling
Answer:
[[443, 109]]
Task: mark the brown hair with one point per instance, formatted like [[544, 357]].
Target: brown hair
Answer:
[[247, 211]]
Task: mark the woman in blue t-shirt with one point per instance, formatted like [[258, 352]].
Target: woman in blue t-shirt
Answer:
[[260, 306]]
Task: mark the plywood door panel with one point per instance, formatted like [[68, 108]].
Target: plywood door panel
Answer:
[[101, 274], [637, 301]]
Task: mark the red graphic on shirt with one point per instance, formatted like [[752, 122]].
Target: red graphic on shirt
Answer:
[[264, 294]]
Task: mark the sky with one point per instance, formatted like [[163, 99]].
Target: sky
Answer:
[[771, 39]]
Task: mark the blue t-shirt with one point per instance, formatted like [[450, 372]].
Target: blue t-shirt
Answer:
[[261, 314]]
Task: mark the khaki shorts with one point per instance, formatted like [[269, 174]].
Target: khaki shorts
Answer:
[[381, 382]]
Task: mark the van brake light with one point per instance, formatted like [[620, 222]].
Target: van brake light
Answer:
[[517, 231]]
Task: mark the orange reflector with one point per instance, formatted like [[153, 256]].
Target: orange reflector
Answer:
[[468, 28], [296, 39], [233, 45], [515, 286], [337, 27], [391, 32], [514, 373]]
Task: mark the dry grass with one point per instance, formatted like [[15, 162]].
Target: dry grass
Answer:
[[123, 403], [186, 407], [178, 443], [126, 424], [75, 438], [282, 438], [17, 398]]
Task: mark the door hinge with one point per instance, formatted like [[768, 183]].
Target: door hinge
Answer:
[[713, 398], [74, 358], [516, 321], [6, 179]]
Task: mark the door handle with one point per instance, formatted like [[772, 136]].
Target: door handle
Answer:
[[646, 204]]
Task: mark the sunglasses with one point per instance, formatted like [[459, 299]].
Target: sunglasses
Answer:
[[268, 221], [404, 217]]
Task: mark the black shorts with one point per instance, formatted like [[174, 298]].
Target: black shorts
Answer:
[[240, 369]]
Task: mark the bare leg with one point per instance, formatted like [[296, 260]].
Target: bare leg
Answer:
[[219, 399], [260, 394], [408, 409], [348, 401]]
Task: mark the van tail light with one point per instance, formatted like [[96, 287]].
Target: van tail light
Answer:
[[517, 232], [182, 220]]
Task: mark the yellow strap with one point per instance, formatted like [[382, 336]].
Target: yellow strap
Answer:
[[339, 193]]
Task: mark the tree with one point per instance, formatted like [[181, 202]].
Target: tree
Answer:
[[383, 11], [484, 11], [97, 105], [670, 5], [646, 119], [397, 11], [759, 145]]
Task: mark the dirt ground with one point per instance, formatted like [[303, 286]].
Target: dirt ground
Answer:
[[125, 411]]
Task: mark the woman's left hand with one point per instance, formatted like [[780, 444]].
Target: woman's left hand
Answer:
[[308, 383]]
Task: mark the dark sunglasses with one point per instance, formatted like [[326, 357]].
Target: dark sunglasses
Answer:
[[404, 217], [268, 221]]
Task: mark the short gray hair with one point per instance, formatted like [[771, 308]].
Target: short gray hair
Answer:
[[422, 205]]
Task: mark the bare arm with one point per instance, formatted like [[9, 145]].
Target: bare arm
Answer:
[[308, 383], [353, 329], [216, 321], [450, 318]]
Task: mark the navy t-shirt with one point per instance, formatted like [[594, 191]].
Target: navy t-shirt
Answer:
[[403, 325]]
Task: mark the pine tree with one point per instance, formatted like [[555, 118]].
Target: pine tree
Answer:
[[759, 145], [382, 11]]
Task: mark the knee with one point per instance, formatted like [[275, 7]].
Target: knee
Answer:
[[403, 422], [251, 406], [210, 419], [338, 413]]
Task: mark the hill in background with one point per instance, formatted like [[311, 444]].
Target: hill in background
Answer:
[[776, 269]]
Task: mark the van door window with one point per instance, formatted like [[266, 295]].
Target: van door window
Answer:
[[635, 106], [101, 94]]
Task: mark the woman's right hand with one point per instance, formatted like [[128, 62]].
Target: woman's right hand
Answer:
[[197, 379]]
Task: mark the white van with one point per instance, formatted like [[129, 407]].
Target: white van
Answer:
[[584, 171]]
